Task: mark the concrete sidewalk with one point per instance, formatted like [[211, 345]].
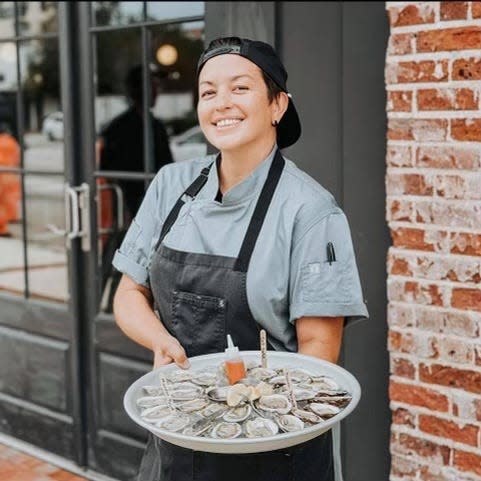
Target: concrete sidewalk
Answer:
[[18, 466]]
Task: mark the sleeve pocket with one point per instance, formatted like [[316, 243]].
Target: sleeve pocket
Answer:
[[326, 283]]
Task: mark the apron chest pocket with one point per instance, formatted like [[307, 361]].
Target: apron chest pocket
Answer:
[[198, 322]]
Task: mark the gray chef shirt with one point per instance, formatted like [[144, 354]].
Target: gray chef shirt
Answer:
[[289, 274]]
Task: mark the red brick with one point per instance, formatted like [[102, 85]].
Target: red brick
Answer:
[[476, 9], [403, 368], [448, 157], [454, 10], [418, 396], [412, 72], [455, 350], [411, 15], [422, 130], [467, 434], [400, 267], [399, 101], [400, 315], [467, 461], [399, 210], [402, 466], [462, 38], [399, 155], [404, 417], [426, 449], [408, 238], [466, 129], [461, 324], [467, 69], [465, 298], [452, 214], [400, 44], [450, 376], [463, 243], [477, 407], [447, 99], [458, 186], [437, 473]]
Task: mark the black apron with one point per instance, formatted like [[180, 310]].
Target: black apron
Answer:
[[201, 298]]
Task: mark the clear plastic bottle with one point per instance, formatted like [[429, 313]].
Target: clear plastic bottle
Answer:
[[234, 365]]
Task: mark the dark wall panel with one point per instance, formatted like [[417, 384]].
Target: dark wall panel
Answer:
[[335, 55], [33, 368]]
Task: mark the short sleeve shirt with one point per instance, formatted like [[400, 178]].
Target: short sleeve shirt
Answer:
[[289, 274]]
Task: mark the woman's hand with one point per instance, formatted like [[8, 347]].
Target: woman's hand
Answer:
[[169, 350]]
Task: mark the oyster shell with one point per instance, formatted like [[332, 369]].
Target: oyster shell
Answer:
[[218, 394], [155, 413], [179, 376], [238, 414], [289, 423], [192, 406], [307, 416], [225, 430], [277, 403], [237, 394], [260, 428], [153, 390], [149, 401], [174, 422], [185, 391], [204, 378], [213, 409], [262, 373], [325, 411]]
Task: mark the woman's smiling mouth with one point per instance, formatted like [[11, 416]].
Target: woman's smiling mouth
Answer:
[[227, 123]]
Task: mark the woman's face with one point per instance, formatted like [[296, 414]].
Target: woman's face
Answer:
[[233, 108]]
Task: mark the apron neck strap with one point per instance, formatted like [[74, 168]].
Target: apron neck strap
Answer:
[[191, 192], [260, 211]]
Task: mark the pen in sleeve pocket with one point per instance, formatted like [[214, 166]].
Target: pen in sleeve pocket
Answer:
[[331, 255]]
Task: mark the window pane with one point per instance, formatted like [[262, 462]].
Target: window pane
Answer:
[[43, 119], [12, 275], [46, 251], [36, 18], [117, 13], [168, 10], [176, 49], [7, 20]]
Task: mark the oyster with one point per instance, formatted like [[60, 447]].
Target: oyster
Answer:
[[180, 376], [185, 391], [193, 405], [226, 430], [339, 401], [275, 403], [174, 422], [325, 383], [300, 393], [262, 373], [289, 423], [260, 428], [237, 394], [153, 390], [238, 414], [213, 409], [155, 413], [218, 394], [148, 401], [204, 378], [325, 411], [307, 416], [299, 375]]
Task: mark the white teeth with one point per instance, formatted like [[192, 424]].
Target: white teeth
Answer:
[[225, 122]]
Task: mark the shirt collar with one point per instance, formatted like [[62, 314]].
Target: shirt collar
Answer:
[[244, 189]]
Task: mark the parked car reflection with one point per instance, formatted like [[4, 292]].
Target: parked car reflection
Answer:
[[52, 126], [188, 145]]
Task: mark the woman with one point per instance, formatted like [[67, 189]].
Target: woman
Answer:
[[234, 242]]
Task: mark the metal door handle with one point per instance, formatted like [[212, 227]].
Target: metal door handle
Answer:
[[119, 194]]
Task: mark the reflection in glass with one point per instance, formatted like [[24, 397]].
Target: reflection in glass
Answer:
[[117, 13], [177, 48], [113, 221], [43, 121], [36, 18], [7, 19], [8, 87], [46, 251], [169, 10], [12, 275]]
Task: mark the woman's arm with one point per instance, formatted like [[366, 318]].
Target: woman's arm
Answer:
[[135, 317], [320, 336]]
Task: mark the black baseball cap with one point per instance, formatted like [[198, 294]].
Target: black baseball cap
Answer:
[[265, 57]]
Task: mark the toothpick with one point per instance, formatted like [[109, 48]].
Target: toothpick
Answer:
[[263, 348], [290, 390]]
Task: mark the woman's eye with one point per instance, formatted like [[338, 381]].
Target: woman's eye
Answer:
[[241, 87], [207, 93]]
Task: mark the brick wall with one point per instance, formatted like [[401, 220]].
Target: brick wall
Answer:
[[433, 182]]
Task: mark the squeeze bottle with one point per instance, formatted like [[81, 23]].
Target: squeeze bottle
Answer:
[[234, 365]]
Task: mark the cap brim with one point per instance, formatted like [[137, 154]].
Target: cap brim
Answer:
[[289, 128]]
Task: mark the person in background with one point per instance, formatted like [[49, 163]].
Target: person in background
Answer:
[[120, 147], [234, 242], [10, 188]]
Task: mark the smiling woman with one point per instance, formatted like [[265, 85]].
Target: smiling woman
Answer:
[[235, 242]]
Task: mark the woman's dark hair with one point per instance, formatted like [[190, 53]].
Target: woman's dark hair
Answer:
[[273, 90]]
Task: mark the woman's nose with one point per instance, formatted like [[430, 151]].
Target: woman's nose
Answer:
[[224, 100]]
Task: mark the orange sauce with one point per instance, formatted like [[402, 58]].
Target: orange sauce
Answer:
[[235, 371]]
